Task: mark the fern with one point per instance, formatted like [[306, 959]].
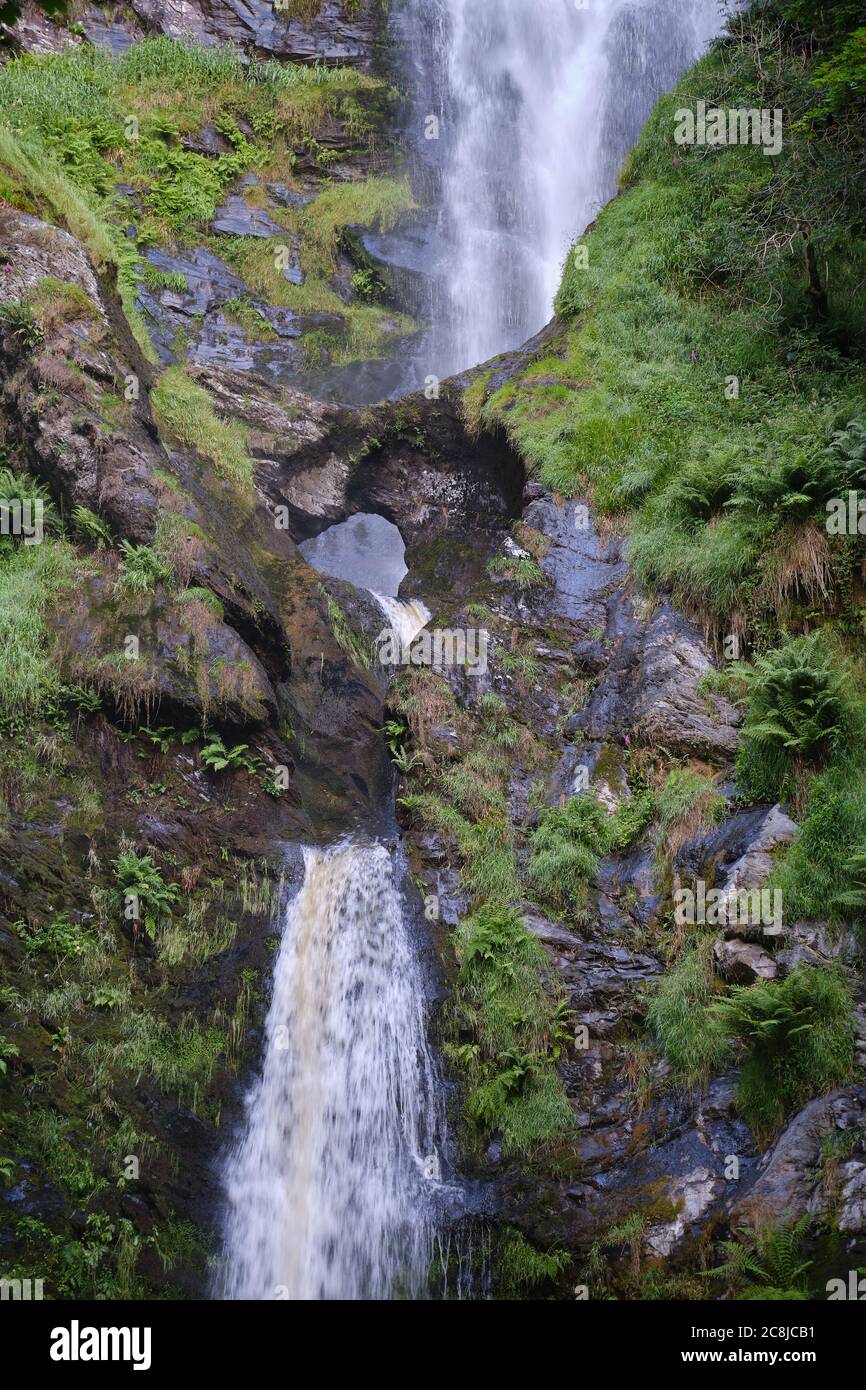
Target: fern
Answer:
[[766, 1264]]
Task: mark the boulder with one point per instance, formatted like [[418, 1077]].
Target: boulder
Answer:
[[743, 963]]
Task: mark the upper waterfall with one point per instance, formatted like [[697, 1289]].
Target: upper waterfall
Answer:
[[534, 105]]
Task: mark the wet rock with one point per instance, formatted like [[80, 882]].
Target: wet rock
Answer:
[[33, 32], [742, 963], [63, 432], [208, 141], [197, 318], [816, 943], [190, 662], [693, 1195], [788, 1183], [236, 218], [657, 669], [114, 35], [333, 35], [852, 1212]]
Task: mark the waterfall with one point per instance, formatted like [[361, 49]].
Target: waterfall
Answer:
[[407, 617], [331, 1189], [536, 104]]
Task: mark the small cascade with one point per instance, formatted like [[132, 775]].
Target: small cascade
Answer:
[[332, 1188], [406, 617]]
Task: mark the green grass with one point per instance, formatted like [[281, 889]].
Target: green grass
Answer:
[[813, 874], [678, 300], [185, 412], [564, 851], [181, 1059], [73, 124], [31, 580], [688, 1034]]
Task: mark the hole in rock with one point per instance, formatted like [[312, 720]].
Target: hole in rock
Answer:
[[366, 551]]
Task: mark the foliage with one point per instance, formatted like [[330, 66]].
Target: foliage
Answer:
[[766, 1264], [717, 338], [515, 1032], [141, 569], [523, 570], [216, 757], [798, 708], [145, 894], [92, 528], [564, 851], [31, 581], [819, 871], [799, 1041], [186, 412], [59, 938], [7, 1050], [519, 1268], [688, 1033]]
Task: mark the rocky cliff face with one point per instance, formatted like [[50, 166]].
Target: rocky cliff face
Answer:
[[588, 682]]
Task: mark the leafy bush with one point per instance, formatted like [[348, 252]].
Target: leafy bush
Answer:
[[7, 1050], [147, 898], [31, 580], [59, 938], [216, 757], [92, 528], [799, 706], [799, 1041], [141, 569], [766, 1264], [516, 1031], [815, 874], [685, 805]]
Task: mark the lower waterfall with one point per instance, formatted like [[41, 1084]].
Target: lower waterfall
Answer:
[[331, 1189]]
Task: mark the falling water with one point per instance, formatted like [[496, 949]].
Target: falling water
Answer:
[[331, 1189], [537, 103], [406, 617]]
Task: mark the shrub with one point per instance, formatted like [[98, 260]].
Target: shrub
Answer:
[[766, 1264], [799, 1041], [140, 568], [821, 872], [799, 707], [146, 895], [59, 938], [216, 757], [30, 581], [516, 1030]]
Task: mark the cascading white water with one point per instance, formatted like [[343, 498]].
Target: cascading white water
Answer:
[[331, 1187], [407, 617], [537, 103]]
